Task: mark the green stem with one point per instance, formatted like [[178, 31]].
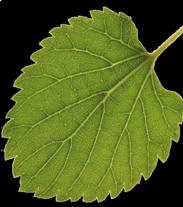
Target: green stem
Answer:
[[156, 53]]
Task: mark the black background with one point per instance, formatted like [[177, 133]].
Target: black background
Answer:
[[24, 23]]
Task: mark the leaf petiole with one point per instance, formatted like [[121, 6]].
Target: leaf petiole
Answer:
[[156, 53]]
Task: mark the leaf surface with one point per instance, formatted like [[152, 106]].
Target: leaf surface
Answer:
[[91, 117]]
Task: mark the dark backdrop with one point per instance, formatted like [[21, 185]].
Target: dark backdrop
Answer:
[[24, 23]]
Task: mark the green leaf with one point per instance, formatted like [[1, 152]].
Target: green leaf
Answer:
[[91, 117]]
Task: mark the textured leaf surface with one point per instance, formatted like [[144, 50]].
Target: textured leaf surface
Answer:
[[91, 117]]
